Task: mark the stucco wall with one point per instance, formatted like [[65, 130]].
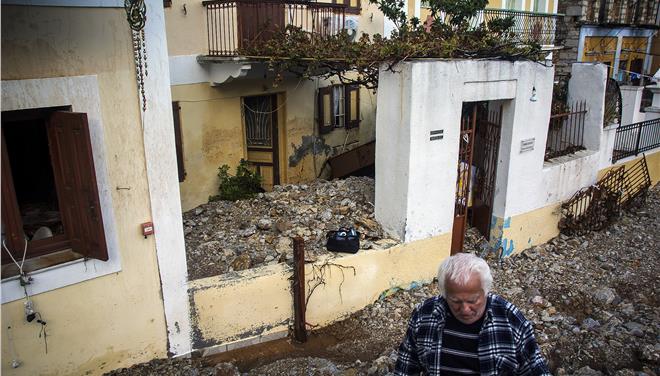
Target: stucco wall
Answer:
[[213, 131], [258, 302], [416, 177], [118, 319]]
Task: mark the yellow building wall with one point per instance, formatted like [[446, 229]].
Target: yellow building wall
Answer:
[[213, 131], [258, 302], [600, 49], [517, 233], [116, 320], [652, 162]]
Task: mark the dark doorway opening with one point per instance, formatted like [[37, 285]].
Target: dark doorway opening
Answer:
[[477, 166]]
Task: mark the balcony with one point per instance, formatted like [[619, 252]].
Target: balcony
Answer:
[[232, 25], [528, 27], [642, 13]]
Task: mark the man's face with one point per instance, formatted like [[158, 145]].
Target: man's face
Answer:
[[467, 303]]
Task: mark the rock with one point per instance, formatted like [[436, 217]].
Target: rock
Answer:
[[380, 366], [284, 245], [604, 296], [590, 324], [226, 369], [199, 210], [249, 231], [241, 262], [587, 371], [264, 224], [283, 226], [212, 246]]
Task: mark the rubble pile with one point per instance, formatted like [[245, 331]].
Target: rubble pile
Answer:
[[225, 236], [593, 301]]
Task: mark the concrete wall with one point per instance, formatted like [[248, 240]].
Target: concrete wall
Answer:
[[416, 177], [254, 305], [97, 322]]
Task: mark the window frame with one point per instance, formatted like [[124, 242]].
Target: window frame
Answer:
[[77, 195], [350, 119], [38, 93], [357, 9]]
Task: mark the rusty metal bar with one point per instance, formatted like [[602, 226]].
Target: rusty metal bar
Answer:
[[299, 329]]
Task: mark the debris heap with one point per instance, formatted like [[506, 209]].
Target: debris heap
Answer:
[[225, 236]]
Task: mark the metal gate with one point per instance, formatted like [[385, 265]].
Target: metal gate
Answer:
[[477, 165], [466, 145], [486, 148]]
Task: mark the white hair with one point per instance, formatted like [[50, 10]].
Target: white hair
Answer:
[[460, 267]]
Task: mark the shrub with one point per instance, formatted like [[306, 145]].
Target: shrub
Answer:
[[244, 184]]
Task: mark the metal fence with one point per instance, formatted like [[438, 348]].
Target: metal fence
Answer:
[[634, 139], [622, 12], [528, 27], [239, 23], [593, 208], [566, 131]]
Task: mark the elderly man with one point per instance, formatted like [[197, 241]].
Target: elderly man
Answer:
[[466, 330]]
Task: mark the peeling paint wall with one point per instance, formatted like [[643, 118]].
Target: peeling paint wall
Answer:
[[93, 326], [213, 131], [258, 302]]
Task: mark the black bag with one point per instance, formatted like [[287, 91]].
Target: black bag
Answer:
[[343, 240]]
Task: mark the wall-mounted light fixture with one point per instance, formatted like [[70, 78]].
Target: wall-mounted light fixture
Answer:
[[533, 98]]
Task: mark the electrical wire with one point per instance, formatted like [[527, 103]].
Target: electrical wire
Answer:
[[20, 266]]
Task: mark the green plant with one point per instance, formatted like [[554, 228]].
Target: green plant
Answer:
[[292, 49], [244, 184]]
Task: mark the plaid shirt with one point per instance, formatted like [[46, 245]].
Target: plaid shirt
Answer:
[[506, 341]]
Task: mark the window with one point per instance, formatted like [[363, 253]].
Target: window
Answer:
[[178, 140], [352, 6], [339, 107], [167, 3], [50, 201]]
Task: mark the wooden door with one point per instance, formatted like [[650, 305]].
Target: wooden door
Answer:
[[261, 135], [258, 21]]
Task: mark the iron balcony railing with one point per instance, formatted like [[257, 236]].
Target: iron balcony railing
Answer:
[[541, 28], [637, 138], [623, 12], [234, 24], [528, 27], [566, 132]]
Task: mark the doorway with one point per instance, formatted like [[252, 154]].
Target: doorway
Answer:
[[477, 167], [261, 136]]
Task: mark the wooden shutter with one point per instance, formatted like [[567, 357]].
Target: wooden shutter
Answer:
[[11, 217], [75, 177], [352, 106], [325, 113], [178, 140]]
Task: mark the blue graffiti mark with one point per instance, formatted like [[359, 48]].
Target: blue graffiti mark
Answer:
[[507, 247], [507, 222], [529, 241], [493, 221]]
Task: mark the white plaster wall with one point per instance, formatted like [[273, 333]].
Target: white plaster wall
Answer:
[[433, 92], [535, 183], [631, 99], [588, 81], [393, 151], [164, 185]]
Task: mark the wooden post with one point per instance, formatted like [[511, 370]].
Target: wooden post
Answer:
[[299, 330]]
